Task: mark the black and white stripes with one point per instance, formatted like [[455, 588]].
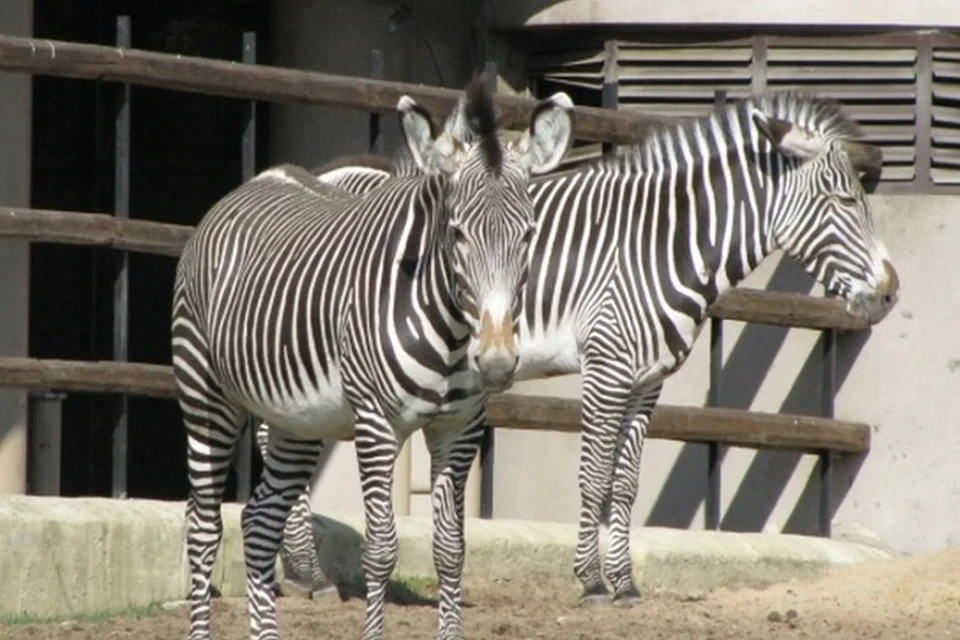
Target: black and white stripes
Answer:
[[629, 253], [333, 316]]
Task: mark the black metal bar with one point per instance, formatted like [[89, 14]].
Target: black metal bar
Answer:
[[712, 514], [243, 457], [923, 175], [487, 443], [714, 399], [825, 457], [376, 73], [121, 279], [758, 67], [610, 91]]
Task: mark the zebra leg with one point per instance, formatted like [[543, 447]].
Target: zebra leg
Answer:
[[213, 427], [606, 394], [298, 554], [626, 478], [287, 467], [376, 448], [451, 455]]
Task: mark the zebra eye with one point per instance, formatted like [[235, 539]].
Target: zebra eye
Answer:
[[459, 239], [847, 201]]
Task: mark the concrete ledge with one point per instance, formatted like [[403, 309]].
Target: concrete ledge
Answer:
[[64, 556]]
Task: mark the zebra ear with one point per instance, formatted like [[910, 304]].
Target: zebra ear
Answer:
[[865, 158], [433, 151], [788, 137], [456, 125], [544, 144]]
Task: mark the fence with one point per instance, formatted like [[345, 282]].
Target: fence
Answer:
[[713, 425]]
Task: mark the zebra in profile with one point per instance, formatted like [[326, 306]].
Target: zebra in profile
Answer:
[[630, 251], [367, 316]]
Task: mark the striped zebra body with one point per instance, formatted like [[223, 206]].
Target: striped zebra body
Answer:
[[333, 316], [630, 252]]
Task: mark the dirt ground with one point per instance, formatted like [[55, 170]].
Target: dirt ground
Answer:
[[907, 598]]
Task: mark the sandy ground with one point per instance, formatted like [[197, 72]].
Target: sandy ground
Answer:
[[907, 598]]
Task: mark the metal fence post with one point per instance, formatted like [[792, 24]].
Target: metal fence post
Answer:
[[45, 442], [243, 457], [714, 399], [825, 462], [376, 73], [712, 513], [121, 279]]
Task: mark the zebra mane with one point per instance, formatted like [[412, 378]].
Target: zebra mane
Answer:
[[822, 116], [481, 115], [402, 164], [474, 120]]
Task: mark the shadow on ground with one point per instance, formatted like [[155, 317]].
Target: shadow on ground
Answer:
[[340, 549]]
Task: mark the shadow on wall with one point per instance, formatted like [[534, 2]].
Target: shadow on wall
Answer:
[[748, 365]]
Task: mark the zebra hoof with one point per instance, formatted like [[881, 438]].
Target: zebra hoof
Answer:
[[294, 589], [594, 600], [323, 592], [628, 598], [595, 595]]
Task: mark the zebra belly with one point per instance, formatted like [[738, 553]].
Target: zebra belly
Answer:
[[551, 353], [320, 413]]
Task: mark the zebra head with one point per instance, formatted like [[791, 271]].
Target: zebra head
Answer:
[[490, 215], [821, 214]]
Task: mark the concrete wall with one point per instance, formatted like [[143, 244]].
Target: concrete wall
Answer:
[[938, 14], [16, 18]]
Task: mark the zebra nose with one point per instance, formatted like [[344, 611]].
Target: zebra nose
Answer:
[[496, 370]]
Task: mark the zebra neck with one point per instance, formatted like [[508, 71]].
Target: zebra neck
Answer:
[[425, 265], [735, 215]]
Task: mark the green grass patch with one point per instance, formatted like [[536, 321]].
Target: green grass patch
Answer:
[[91, 617], [412, 590]]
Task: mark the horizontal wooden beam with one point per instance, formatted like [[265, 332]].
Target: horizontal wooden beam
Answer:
[[785, 309], [98, 229], [97, 376], [507, 411], [692, 424], [37, 225], [291, 86]]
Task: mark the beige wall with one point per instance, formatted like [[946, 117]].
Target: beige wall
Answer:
[[939, 14], [16, 18]]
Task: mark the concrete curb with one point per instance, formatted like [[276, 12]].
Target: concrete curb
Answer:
[[66, 556]]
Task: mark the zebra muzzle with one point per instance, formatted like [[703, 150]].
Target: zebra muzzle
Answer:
[[873, 306], [495, 358]]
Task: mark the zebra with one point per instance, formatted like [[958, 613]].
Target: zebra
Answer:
[[630, 251], [369, 317]]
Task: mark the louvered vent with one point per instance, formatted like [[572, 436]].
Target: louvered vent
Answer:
[[945, 148], [681, 80], [877, 87], [577, 71]]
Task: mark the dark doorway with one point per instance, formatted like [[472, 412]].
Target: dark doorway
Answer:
[[185, 154]]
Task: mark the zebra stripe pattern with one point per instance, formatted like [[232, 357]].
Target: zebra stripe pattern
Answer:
[[630, 252], [332, 316]]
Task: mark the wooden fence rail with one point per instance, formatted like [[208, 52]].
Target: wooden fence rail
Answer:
[[275, 84], [250, 81], [507, 411], [65, 227]]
